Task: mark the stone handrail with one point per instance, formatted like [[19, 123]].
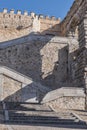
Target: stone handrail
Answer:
[[21, 78], [63, 92], [31, 37], [46, 93]]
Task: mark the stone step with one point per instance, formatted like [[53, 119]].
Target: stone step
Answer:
[[42, 118], [27, 107], [34, 117], [41, 115], [30, 113], [56, 122], [39, 118], [36, 114]]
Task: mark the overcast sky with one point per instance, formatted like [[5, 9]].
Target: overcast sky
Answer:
[[56, 8]]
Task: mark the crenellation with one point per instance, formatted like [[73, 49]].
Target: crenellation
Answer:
[[26, 13], [41, 16], [32, 14], [5, 10], [18, 12], [53, 18], [59, 19], [12, 11], [36, 16], [47, 17], [23, 24]]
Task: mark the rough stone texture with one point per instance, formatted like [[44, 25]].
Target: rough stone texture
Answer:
[[11, 86], [65, 98], [17, 21], [16, 87], [50, 26], [53, 61], [40, 58], [13, 26], [68, 103], [75, 25], [73, 17]]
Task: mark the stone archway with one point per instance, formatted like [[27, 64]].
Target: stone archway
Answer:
[[74, 25]]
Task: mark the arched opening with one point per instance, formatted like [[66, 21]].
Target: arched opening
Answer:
[[73, 29]]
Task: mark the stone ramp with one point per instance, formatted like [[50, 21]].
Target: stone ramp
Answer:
[[38, 114]]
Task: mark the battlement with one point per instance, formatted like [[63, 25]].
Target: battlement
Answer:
[[31, 14], [15, 24]]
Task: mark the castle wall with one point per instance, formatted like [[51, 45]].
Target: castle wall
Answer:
[[15, 21], [14, 26], [50, 26], [42, 58]]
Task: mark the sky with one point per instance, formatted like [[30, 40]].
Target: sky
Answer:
[[57, 8]]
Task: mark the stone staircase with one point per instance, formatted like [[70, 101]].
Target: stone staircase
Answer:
[[31, 91], [38, 114]]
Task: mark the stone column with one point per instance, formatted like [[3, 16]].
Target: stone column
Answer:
[[83, 53]]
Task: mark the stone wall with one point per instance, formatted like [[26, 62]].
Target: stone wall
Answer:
[[73, 17], [76, 22], [72, 103], [50, 26], [15, 91], [16, 87], [11, 86], [65, 98], [13, 25], [32, 49], [83, 46], [42, 58], [15, 21]]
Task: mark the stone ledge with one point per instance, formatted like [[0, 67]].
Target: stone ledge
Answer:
[[32, 37], [64, 92]]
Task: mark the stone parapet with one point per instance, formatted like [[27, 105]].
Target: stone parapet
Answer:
[[16, 87], [25, 23]]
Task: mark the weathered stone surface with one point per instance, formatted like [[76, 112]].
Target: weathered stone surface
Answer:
[[39, 57], [68, 103], [14, 26], [32, 49], [16, 87], [11, 86]]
